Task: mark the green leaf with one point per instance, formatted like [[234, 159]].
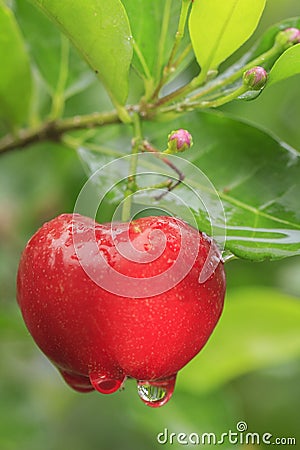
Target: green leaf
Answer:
[[15, 74], [218, 28], [259, 328], [101, 33], [255, 176], [286, 66], [44, 43]]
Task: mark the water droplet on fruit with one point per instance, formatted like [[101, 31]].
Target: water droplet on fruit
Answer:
[[156, 393], [228, 256], [105, 384]]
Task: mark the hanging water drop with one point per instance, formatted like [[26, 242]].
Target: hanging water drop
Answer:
[[156, 393], [228, 256], [105, 384]]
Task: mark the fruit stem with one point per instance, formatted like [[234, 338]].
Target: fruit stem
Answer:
[[131, 182]]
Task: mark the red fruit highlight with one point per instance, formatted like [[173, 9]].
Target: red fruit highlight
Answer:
[[110, 301]]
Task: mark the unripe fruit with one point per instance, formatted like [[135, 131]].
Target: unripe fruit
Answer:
[[110, 301]]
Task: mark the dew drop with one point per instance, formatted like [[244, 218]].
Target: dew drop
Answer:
[[105, 384], [228, 256], [250, 95], [156, 393]]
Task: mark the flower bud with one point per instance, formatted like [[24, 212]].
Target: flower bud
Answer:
[[179, 141], [255, 78], [288, 37]]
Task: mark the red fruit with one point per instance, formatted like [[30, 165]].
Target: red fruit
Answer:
[[110, 301]]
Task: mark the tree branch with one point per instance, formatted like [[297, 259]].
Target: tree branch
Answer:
[[53, 130]]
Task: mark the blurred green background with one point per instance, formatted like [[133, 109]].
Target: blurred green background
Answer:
[[250, 368]]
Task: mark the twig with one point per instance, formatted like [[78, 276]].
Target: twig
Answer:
[[149, 148]]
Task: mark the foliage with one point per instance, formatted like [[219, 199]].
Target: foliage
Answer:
[[262, 222], [75, 87]]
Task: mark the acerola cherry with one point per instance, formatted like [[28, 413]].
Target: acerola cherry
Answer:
[[110, 301]]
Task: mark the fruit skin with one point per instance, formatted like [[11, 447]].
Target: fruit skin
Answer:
[[84, 329]]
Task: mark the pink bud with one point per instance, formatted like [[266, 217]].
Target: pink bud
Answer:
[[288, 37], [255, 78], [179, 141]]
